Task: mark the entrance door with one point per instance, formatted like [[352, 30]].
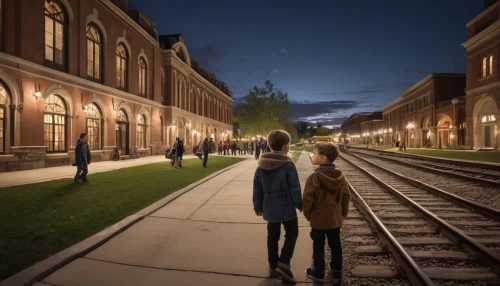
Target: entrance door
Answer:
[[122, 137], [425, 138], [487, 136]]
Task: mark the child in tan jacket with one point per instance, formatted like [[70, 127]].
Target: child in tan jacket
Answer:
[[325, 204]]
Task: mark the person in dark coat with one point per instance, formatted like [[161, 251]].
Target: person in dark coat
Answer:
[[205, 149], [258, 145], [82, 158], [180, 151]]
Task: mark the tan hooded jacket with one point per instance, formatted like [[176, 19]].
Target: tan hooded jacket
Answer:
[[326, 198]]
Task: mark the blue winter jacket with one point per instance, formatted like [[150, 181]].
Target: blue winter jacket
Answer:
[[82, 153], [276, 187]]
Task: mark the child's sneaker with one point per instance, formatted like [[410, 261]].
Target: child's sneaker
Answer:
[[311, 275], [285, 273], [272, 272]]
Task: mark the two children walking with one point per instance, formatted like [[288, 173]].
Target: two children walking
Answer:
[[277, 196]]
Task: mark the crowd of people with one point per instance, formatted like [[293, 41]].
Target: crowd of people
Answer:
[[240, 147]]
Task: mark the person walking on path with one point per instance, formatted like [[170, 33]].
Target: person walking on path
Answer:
[[173, 152], [233, 147], [219, 148], [326, 204], [224, 148], [82, 158], [180, 151], [258, 144], [276, 195], [264, 146], [204, 148]]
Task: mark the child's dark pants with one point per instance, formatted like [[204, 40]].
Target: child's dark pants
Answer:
[[273, 237], [333, 237]]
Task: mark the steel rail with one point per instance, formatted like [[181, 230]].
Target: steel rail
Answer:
[[451, 231], [415, 274], [437, 171]]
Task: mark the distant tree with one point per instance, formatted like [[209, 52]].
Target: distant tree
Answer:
[[301, 127], [290, 128], [263, 110]]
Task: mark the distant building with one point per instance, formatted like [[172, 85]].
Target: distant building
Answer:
[[351, 127], [100, 67], [430, 113], [483, 80]]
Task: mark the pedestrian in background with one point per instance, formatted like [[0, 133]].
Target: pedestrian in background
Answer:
[[82, 158], [180, 151], [204, 148], [219, 148]]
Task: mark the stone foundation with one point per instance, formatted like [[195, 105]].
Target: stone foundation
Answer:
[[28, 158]]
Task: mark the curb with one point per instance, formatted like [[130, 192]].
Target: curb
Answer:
[[42, 269]]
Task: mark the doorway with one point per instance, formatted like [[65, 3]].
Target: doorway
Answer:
[[488, 130], [122, 129]]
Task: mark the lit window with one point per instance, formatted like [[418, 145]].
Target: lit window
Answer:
[[141, 131], [486, 66], [488, 118], [3, 106], [55, 124], [93, 53], [142, 77], [121, 67], [94, 127], [55, 30]]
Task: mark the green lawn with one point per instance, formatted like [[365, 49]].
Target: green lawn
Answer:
[[39, 220], [485, 156], [307, 148]]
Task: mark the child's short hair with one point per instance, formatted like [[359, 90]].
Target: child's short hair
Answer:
[[327, 149], [277, 139]]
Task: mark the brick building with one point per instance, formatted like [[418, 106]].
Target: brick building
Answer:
[[483, 80], [431, 113], [351, 127], [100, 67]]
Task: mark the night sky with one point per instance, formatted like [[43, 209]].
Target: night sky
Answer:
[[332, 57]]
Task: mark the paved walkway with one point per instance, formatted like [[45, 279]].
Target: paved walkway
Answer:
[[208, 236], [9, 179]]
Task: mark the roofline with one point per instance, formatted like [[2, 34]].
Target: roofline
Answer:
[[429, 78], [486, 11]]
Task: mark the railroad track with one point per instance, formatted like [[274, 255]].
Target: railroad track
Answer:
[[449, 241], [457, 162], [480, 175]]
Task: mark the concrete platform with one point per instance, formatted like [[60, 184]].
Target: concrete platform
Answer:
[[208, 236]]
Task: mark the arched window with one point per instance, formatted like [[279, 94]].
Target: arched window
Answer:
[[142, 77], [55, 35], [94, 53], [486, 66], [94, 127], [121, 67], [121, 117], [141, 131], [3, 105], [55, 124]]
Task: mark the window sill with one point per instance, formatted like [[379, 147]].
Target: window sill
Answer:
[[57, 155], [486, 77]]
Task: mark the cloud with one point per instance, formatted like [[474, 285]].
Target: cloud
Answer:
[[415, 71], [308, 110], [366, 97], [273, 73], [283, 51]]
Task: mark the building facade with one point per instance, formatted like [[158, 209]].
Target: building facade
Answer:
[[99, 67], [351, 128], [429, 114], [483, 80]]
